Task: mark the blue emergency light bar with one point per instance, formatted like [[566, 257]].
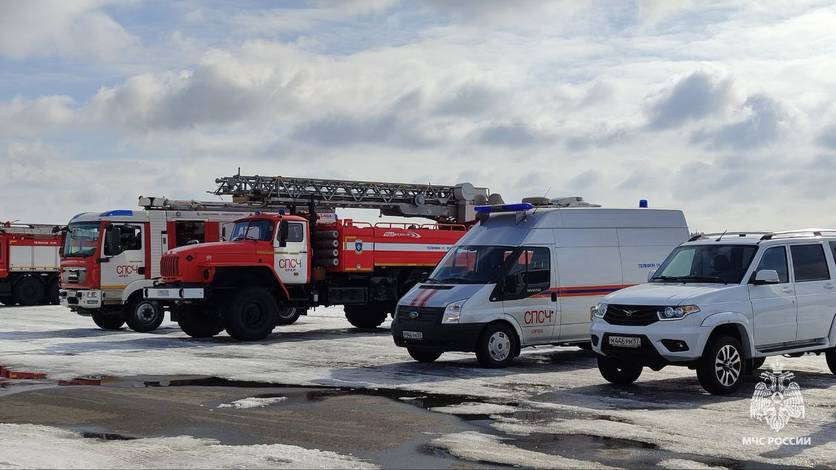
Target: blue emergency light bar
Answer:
[[521, 207], [117, 213]]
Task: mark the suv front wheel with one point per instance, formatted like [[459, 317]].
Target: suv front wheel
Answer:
[[721, 369]]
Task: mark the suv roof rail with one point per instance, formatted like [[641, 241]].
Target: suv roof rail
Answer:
[[815, 232], [726, 234]]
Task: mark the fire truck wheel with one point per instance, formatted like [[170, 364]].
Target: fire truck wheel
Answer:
[[143, 315], [30, 291], [364, 316], [52, 292], [7, 300], [250, 315], [288, 315], [108, 321], [197, 323]]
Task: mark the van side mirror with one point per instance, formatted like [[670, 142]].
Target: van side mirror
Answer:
[[650, 275], [767, 276], [284, 230]]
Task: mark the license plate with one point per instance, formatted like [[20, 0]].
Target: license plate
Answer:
[[413, 335], [626, 341]]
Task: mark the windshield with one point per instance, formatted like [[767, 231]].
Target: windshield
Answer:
[[261, 230], [706, 263], [81, 240], [472, 265]]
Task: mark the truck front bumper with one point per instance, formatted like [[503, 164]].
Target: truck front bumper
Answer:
[[436, 337], [81, 299], [174, 293]]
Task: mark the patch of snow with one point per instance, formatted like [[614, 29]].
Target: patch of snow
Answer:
[[480, 447], [252, 402], [31, 446], [476, 408], [682, 464]]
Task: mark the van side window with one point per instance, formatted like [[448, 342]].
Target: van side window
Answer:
[[529, 274], [775, 258], [809, 263]]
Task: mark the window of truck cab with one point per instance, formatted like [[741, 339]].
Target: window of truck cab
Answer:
[[258, 229], [81, 240]]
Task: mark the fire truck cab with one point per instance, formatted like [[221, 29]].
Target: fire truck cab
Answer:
[[107, 258]]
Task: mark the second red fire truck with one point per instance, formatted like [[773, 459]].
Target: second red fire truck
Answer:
[[28, 264], [276, 265]]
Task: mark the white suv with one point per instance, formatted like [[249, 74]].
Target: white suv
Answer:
[[721, 304]]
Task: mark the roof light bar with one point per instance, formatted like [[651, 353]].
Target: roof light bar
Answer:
[[520, 207]]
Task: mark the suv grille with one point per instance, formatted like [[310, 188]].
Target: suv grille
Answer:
[[631, 315], [170, 266], [424, 314]]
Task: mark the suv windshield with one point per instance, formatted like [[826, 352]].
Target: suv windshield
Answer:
[[81, 240], [472, 265], [724, 264], [261, 230]]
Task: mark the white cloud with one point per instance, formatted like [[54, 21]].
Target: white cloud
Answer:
[[50, 28]]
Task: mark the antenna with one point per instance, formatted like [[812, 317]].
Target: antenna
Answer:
[[545, 195], [721, 235]]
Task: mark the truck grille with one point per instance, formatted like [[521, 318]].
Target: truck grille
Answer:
[[170, 266], [631, 315], [73, 276], [410, 313]]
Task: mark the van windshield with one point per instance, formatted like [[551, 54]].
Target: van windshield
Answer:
[[725, 264], [474, 264]]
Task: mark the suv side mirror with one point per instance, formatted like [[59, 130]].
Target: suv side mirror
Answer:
[[284, 230], [767, 276]]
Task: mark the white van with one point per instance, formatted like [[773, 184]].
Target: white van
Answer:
[[527, 275], [722, 303]]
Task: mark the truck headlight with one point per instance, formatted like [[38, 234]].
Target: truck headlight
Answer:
[[453, 312], [677, 313], [598, 311]]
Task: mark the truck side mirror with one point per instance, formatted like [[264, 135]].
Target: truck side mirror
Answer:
[[767, 276], [284, 230], [113, 241]]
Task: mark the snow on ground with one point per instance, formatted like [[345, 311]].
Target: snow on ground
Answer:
[[252, 402], [476, 408], [485, 448], [556, 390], [24, 446]]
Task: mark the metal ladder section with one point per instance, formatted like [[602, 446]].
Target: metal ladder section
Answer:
[[28, 229], [442, 203]]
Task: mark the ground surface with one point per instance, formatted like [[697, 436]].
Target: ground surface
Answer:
[[550, 409]]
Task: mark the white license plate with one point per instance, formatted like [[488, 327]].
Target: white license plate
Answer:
[[626, 341], [413, 335]]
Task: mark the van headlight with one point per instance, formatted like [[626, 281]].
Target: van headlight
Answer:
[[453, 312], [677, 313], [598, 311]]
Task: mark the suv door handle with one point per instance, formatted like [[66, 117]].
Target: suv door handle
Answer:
[[786, 289], [828, 286]]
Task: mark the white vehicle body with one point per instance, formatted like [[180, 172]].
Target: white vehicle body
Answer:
[[674, 321], [565, 261]]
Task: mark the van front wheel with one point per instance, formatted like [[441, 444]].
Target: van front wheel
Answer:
[[720, 370], [423, 356], [618, 372], [496, 346]]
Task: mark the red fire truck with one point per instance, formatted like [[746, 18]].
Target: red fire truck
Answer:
[[277, 265], [109, 257], [28, 264]]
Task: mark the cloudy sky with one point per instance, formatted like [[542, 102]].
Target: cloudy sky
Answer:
[[723, 109]]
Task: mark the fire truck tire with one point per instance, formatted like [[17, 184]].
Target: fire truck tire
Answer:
[[108, 321], [197, 323], [52, 292], [7, 300], [250, 315], [288, 315], [364, 316], [30, 291], [143, 315]]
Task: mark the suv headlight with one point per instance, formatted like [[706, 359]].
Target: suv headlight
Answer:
[[598, 311], [453, 312], [677, 313]]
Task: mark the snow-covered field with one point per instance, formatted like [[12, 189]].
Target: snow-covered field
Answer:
[[548, 392]]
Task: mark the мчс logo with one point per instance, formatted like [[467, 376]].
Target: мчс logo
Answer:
[[777, 401]]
